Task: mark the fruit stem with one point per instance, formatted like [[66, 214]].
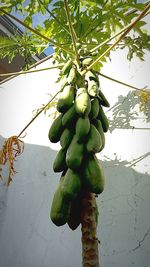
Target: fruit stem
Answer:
[[90, 254]]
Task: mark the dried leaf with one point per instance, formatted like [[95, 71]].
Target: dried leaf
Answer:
[[144, 99], [12, 148]]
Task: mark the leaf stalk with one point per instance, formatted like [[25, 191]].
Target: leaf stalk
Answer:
[[130, 26], [38, 114], [71, 30], [29, 71]]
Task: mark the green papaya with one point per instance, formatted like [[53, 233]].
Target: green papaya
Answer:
[[74, 219], [72, 75], [66, 67], [94, 140], [56, 129], [82, 128], [69, 117], [104, 121], [91, 76], [71, 184], [86, 61], [93, 175], [66, 99], [59, 164], [99, 127], [82, 102], [60, 208], [66, 138], [103, 100], [74, 154], [94, 108], [83, 52], [93, 88], [80, 81], [62, 176]]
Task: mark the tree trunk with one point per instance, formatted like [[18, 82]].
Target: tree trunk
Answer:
[[90, 242]]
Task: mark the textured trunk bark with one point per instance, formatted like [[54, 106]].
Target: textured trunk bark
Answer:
[[90, 242]]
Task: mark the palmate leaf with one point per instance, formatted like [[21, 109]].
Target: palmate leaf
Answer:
[[137, 46], [9, 47], [24, 45], [94, 21]]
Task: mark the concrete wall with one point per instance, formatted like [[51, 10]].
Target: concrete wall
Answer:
[[27, 236]]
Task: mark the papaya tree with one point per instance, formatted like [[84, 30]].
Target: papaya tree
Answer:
[[82, 34]]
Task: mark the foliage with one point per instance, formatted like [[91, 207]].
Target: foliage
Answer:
[[94, 22], [24, 45]]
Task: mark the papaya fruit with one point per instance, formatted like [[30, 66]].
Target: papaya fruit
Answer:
[[82, 128], [60, 208], [99, 127], [66, 67], [66, 99], [74, 219], [94, 108], [83, 52], [91, 76], [71, 184], [66, 138], [80, 81], [82, 102], [74, 154], [72, 75], [93, 88], [93, 175], [69, 117], [94, 140], [86, 61], [104, 121], [103, 100], [59, 164], [56, 129]]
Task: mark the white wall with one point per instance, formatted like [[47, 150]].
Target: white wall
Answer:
[[27, 236]]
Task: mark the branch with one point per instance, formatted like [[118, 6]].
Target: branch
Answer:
[[71, 30], [38, 114], [125, 84], [61, 65], [130, 26], [32, 66], [54, 17], [36, 32], [29, 71]]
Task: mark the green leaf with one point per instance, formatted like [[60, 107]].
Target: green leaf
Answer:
[[94, 21]]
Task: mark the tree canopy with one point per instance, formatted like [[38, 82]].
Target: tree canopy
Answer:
[[94, 22]]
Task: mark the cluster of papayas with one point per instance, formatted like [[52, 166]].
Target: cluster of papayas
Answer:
[[80, 128]]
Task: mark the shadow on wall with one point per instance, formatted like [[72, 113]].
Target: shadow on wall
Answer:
[[127, 110], [124, 216], [29, 238]]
